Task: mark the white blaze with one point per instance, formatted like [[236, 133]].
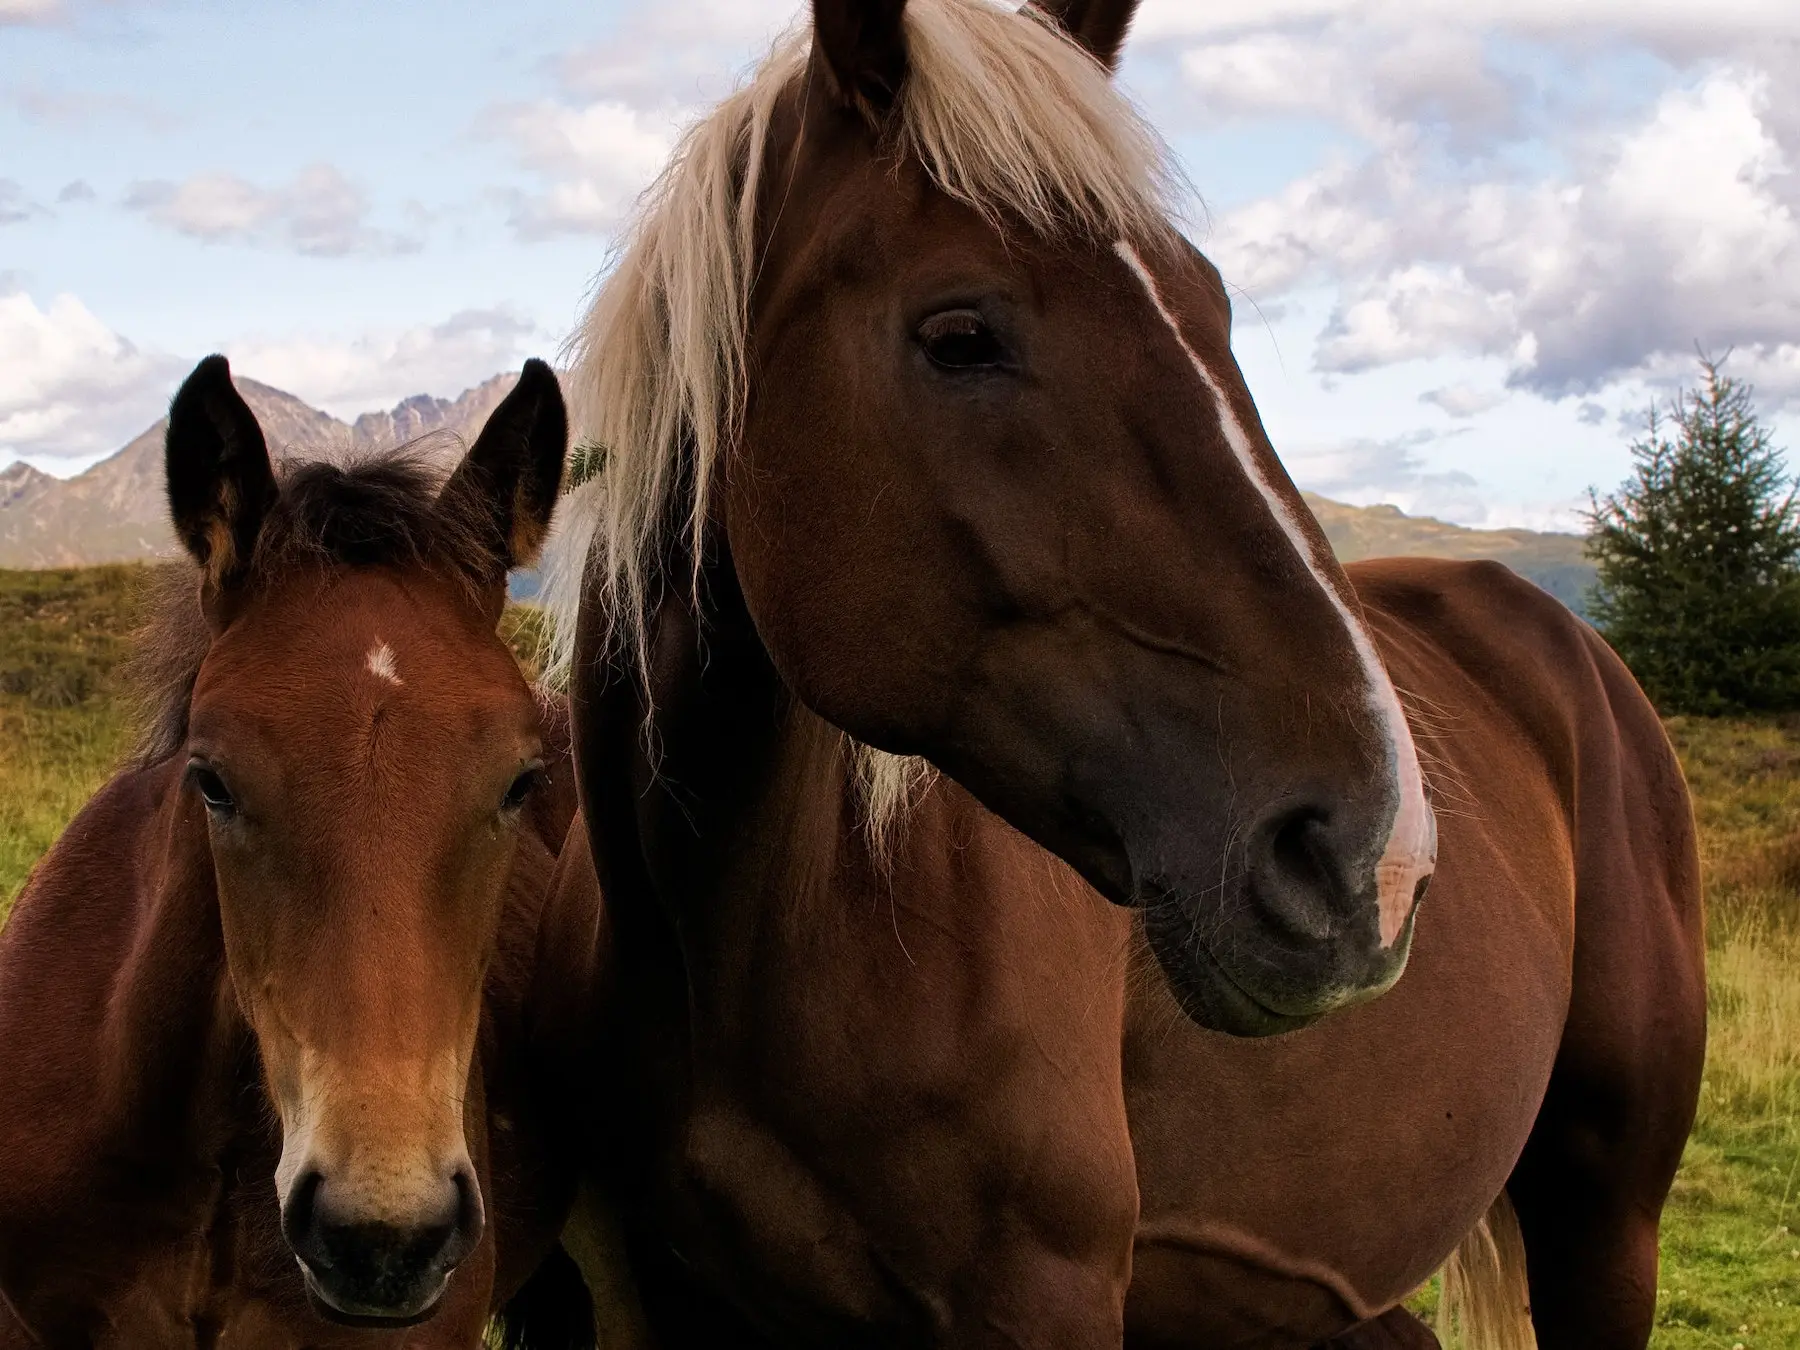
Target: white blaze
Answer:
[[380, 662], [1412, 842]]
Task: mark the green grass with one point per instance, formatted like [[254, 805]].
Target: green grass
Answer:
[[1731, 1235], [62, 720], [1731, 1257]]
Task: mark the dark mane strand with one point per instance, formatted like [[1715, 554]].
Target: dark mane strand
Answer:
[[382, 511]]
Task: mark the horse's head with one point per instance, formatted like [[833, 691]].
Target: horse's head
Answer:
[[362, 742], [999, 496]]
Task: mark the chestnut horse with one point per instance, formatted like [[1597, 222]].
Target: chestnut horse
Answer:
[[272, 988], [938, 584]]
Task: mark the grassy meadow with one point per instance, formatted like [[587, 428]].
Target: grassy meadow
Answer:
[[1731, 1238]]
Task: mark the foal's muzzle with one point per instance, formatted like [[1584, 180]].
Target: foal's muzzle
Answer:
[[387, 1271]]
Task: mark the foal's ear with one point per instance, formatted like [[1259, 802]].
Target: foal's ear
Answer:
[[863, 43], [507, 483], [1098, 25], [219, 478]]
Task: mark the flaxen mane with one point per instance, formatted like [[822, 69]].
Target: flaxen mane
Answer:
[[1003, 111], [381, 511]]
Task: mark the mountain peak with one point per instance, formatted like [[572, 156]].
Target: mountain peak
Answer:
[[19, 482], [424, 414], [19, 472]]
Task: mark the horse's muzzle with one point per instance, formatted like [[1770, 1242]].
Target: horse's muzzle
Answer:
[[1300, 924], [380, 1272]]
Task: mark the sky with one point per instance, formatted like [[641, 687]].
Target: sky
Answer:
[[1470, 241]]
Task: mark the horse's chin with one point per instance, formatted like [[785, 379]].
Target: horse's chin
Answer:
[[1211, 998], [1220, 999], [348, 1312]]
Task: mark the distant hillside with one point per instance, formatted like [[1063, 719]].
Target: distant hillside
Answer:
[[116, 511], [1554, 561]]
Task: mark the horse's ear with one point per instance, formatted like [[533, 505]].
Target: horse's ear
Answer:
[[507, 484], [863, 43], [1098, 25], [220, 482]]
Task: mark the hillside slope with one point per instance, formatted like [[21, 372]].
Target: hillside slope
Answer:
[[1554, 561]]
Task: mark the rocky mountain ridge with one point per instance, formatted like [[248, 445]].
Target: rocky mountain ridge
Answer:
[[116, 510]]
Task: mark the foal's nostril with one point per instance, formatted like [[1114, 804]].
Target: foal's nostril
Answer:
[[298, 1218], [470, 1217]]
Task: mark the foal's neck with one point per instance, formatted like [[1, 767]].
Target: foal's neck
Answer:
[[173, 1043]]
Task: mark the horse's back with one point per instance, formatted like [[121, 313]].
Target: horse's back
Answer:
[[1312, 1180]]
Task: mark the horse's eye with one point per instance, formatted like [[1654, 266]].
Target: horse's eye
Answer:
[[960, 339], [212, 790], [522, 787]]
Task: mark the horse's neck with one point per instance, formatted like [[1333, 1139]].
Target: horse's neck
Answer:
[[754, 788]]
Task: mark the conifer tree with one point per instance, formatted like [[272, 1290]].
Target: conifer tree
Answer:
[[1699, 557]]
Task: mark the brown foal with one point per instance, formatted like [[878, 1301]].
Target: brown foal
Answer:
[[265, 1007]]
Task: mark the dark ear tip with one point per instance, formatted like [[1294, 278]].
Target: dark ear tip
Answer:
[[214, 369], [538, 372], [212, 373]]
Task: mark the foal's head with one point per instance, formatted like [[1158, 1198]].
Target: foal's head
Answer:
[[362, 742], [960, 406]]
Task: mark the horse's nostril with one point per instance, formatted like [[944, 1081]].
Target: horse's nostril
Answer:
[[1296, 876]]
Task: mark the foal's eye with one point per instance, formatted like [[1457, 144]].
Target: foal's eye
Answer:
[[522, 787], [960, 339], [212, 790]]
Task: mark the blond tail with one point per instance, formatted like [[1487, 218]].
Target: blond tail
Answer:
[[1486, 1304]]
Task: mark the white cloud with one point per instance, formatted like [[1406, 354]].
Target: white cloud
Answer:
[[69, 385], [320, 213], [1393, 470], [72, 389], [1681, 229], [1415, 311], [1671, 21], [684, 55], [595, 160], [1380, 84], [347, 376], [1464, 400], [622, 106]]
